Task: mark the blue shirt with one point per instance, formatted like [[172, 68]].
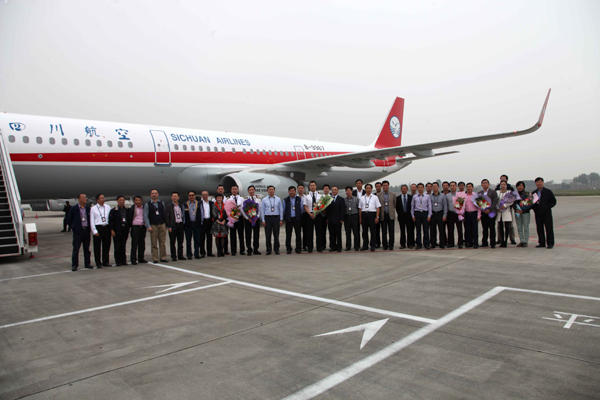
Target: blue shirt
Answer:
[[272, 206], [421, 202]]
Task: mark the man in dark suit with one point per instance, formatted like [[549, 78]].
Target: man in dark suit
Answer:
[[194, 218], [292, 215], [119, 230], [407, 228], [335, 217], [488, 223], [78, 220], [175, 219], [543, 214]]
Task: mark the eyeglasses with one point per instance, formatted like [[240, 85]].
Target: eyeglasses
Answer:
[[191, 195]]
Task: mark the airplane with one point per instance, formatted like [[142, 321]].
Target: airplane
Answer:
[[57, 158]]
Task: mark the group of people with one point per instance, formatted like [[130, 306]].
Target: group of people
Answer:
[[427, 216]]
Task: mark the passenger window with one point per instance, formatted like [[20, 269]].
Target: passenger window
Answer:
[[38, 140], [176, 146], [130, 145], [99, 143], [76, 142], [312, 155], [25, 139], [184, 147], [109, 143], [216, 150], [52, 140], [244, 151], [233, 150], [200, 148], [192, 148], [64, 141], [11, 138], [222, 149], [292, 153], [87, 142], [120, 144], [270, 152]]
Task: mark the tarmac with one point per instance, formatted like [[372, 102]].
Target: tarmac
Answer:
[[426, 324]]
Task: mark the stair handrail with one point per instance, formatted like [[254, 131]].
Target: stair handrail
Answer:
[[12, 190]]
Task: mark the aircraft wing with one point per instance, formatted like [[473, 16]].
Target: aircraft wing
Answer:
[[362, 159]]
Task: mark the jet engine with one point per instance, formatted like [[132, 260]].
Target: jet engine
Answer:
[[260, 181]]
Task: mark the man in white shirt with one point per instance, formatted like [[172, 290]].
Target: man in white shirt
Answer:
[[310, 201], [252, 231], [358, 193], [207, 237], [369, 208], [238, 227], [99, 221]]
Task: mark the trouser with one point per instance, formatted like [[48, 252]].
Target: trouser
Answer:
[[437, 225], [543, 219], [422, 224], [138, 243], [102, 245], [305, 218], [80, 238], [65, 227], [504, 230], [309, 233], [272, 229], [512, 231], [193, 232], [523, 226], [488, 229], [206, 238], [158, 238], [452, 220], [471, 228], [252, 235], [387, 227], [351, 225], [369, 227], [176, 235], [378, 232], [120, 243], [296, 226], [407, 230], [335, 235], [321, 229], [237, 234]]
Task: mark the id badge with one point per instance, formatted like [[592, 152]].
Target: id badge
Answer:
[[366, 206], [124, 220], [82, 219], [272, 209], [293, 207], [103, 219], [386, 203], [349, 208], [156, 212], [435, 204]]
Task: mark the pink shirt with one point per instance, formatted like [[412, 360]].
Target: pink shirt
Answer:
[[469, 206], [138, 215]]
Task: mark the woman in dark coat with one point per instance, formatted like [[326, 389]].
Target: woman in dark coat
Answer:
[[219, 226]]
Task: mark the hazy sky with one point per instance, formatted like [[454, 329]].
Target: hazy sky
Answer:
[[323, 69]]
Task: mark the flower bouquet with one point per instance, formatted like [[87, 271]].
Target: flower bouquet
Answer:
[[251, 210], [525, 204], [483, 202], [322, 204], [459, 206], [508, 199], [230, 208]]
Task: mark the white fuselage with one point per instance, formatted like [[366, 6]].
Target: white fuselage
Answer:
[[60, 157]]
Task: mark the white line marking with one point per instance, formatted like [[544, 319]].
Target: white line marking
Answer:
[[370, 329], [575, 296], [304, 296], [335, 379], [170, 286], [110, 306], [33, 276]]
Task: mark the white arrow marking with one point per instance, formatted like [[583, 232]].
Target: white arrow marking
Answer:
[[370, 329], [171, 286]]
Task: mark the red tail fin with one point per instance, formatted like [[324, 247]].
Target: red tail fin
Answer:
[[391, 133]]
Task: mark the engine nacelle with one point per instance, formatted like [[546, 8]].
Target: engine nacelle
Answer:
[[260, 181]]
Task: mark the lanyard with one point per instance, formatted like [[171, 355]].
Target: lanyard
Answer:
[[369, 198], [103, 216], [421, 197], [272, 203]]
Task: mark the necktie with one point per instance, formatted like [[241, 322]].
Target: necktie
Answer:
[[404, 203], [236, 200], [314, 201]]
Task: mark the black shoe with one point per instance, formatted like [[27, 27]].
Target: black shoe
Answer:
[[390, 248], [418, 247], [298, 251], [468, 245], [117, 265], [89, 267], [503, 245], [372, 248], [385, 248], [377, 246], [276, 253], [493, 247], [339, 251], [133, 263], [143, 262], [433, 246], [320, 250], [402, 247], [541, 245], [124, 264], [460, 246], [364, 248], [196, 257], [268, 253], [242, 253], [98, 266], [411, 247], [210, 255], [165, 261], [550, 247], [427, 247], [305, 248], [258, 253], [357, 249], [475, 246], [450, 246], [173, 258], [310, 251], [442, 247], [73, 269], [288, 252], [233, 254], [106, 265], [484, 245], [226, 254], [513, 242], [65, 231], [184, 259], [348, 249], [249, 253], [499, 242], [332, 250]]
